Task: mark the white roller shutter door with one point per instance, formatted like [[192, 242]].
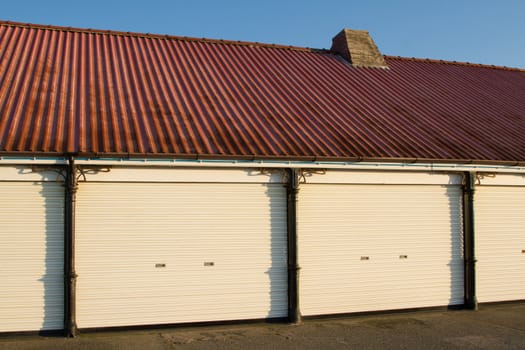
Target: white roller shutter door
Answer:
[[31, 256], [500, 242], [158, 253], [367, 247]]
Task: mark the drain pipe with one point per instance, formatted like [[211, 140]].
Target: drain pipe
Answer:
[[70, 276], [292, 189], [469, 179]]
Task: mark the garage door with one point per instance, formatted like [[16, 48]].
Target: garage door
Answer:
[[500, 240], [31, 256], [158, 253], [380, 246]]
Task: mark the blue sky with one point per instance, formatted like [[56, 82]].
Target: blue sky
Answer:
[[482, 31]]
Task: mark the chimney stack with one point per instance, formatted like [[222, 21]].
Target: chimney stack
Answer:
[[358, 48]]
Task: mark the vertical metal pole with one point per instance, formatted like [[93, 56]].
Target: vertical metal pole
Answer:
[[294, 314], [471, 301], [70, 276]]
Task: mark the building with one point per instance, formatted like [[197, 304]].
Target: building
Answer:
[[152, 179]]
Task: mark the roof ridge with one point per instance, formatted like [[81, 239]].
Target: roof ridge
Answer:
[[157, 36], [457, 63]]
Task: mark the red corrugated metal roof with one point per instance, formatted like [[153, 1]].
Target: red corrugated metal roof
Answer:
[[89, 92]]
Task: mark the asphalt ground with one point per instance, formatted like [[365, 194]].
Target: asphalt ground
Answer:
[[496, 327]]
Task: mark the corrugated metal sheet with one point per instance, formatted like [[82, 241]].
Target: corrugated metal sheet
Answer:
[[500, 243], [125, 229], [93, 92], [31, 256], [379, 247]]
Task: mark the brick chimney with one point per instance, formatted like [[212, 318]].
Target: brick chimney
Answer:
[[358, 48]]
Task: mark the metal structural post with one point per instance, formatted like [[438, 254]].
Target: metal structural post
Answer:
[[70, 276], [469, 179], [294, 314]]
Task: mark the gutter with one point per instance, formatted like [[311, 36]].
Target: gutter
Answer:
[[391, 165], [253, 158]]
